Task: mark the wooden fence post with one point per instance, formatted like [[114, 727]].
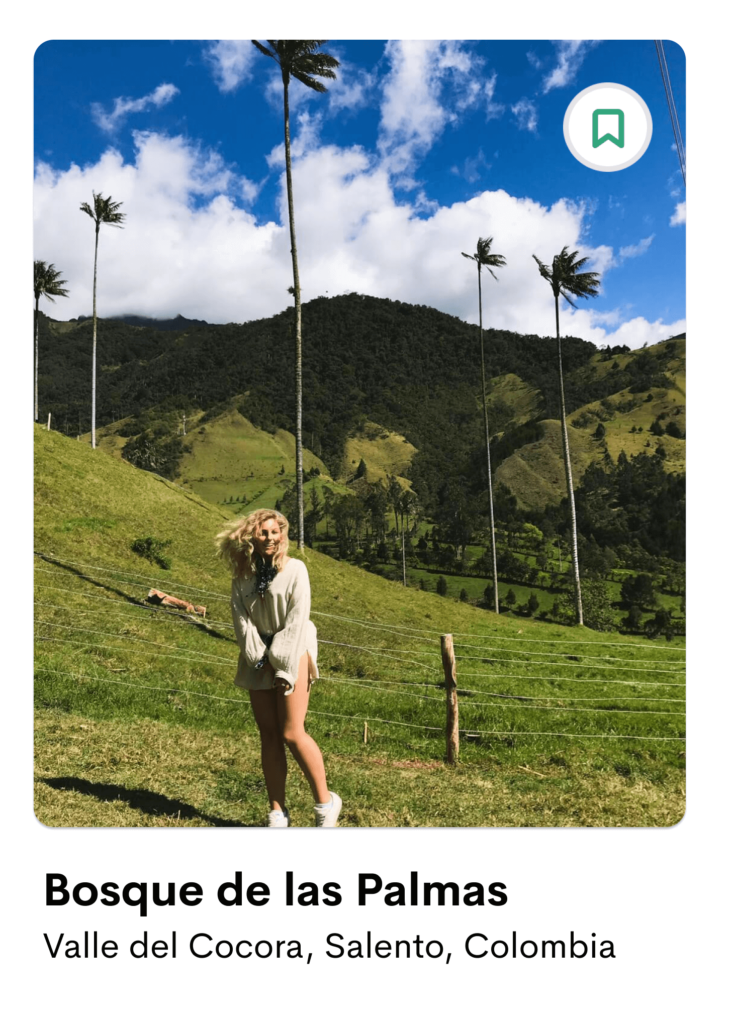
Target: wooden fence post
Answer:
[[452, 721], [48, 427]]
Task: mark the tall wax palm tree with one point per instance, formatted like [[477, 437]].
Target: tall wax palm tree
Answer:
[[46, 284], [567, 278], [301, 59], [104, 211], [483, 257]]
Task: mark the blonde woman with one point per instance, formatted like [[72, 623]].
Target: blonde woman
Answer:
[[270, 605]]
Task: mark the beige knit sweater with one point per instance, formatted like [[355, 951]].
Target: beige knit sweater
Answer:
[[283, 611]]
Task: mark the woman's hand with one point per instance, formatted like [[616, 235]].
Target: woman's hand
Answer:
[[283, 686]]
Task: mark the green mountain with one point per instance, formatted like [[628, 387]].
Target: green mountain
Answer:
[[390, 389]]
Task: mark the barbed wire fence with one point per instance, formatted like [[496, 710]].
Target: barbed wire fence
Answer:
[[440, 645]]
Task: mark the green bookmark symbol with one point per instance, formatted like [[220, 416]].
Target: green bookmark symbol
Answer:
[[619, 140]]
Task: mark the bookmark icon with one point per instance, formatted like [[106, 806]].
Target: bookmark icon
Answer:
[[612, 123], [607, 127]]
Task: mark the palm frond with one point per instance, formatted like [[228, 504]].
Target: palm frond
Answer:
[[544, 269], [583, 285], [264, 49], [565, 276], [104, 211], [47, 281], [484, 257], [301, 59], [311, 83]]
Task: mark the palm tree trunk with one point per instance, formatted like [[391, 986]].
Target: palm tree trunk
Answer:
[[298, 327], [488, 447], [568, 474], [94, 345], [35, 413]]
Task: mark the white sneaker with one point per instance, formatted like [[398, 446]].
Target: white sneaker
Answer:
[[326, 815], [278, 819]]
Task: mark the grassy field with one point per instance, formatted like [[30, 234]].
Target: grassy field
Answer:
[[475, 587], [138, 723]]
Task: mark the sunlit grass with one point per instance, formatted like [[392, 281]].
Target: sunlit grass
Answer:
[[114, 676]]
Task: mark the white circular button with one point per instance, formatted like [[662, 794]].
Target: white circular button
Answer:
[[607, 127]]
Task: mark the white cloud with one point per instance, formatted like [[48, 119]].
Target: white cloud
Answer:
[[351, 90], [123, 106], [304, 136], [188, 246], [492, 109], [526, 114], [471, 167], [679, 215], [631, 251], [230, 61], [429, 85], [603, 259], [570, 55], [634, 333]]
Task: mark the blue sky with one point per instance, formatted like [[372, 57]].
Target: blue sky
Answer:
[[416, 150]]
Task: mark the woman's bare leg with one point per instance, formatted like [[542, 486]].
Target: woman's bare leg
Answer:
[[291, 711], [274, 759]]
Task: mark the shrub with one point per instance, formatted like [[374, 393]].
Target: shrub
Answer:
[[638, 590], [660, 623], [634, 618], [153, 549], [441, 586], [597, 611]]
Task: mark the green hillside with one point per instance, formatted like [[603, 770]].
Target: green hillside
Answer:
[[411, 370], [534, 472], [138, 723], [384, 452]]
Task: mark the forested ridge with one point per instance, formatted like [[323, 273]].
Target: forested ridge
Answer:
[[412, 369]]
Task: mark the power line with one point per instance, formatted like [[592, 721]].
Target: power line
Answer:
[[675, 125]]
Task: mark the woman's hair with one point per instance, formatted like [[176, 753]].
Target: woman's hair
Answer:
[[235, 541]]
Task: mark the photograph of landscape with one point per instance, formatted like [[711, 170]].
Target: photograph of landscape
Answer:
[[368, 285]]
